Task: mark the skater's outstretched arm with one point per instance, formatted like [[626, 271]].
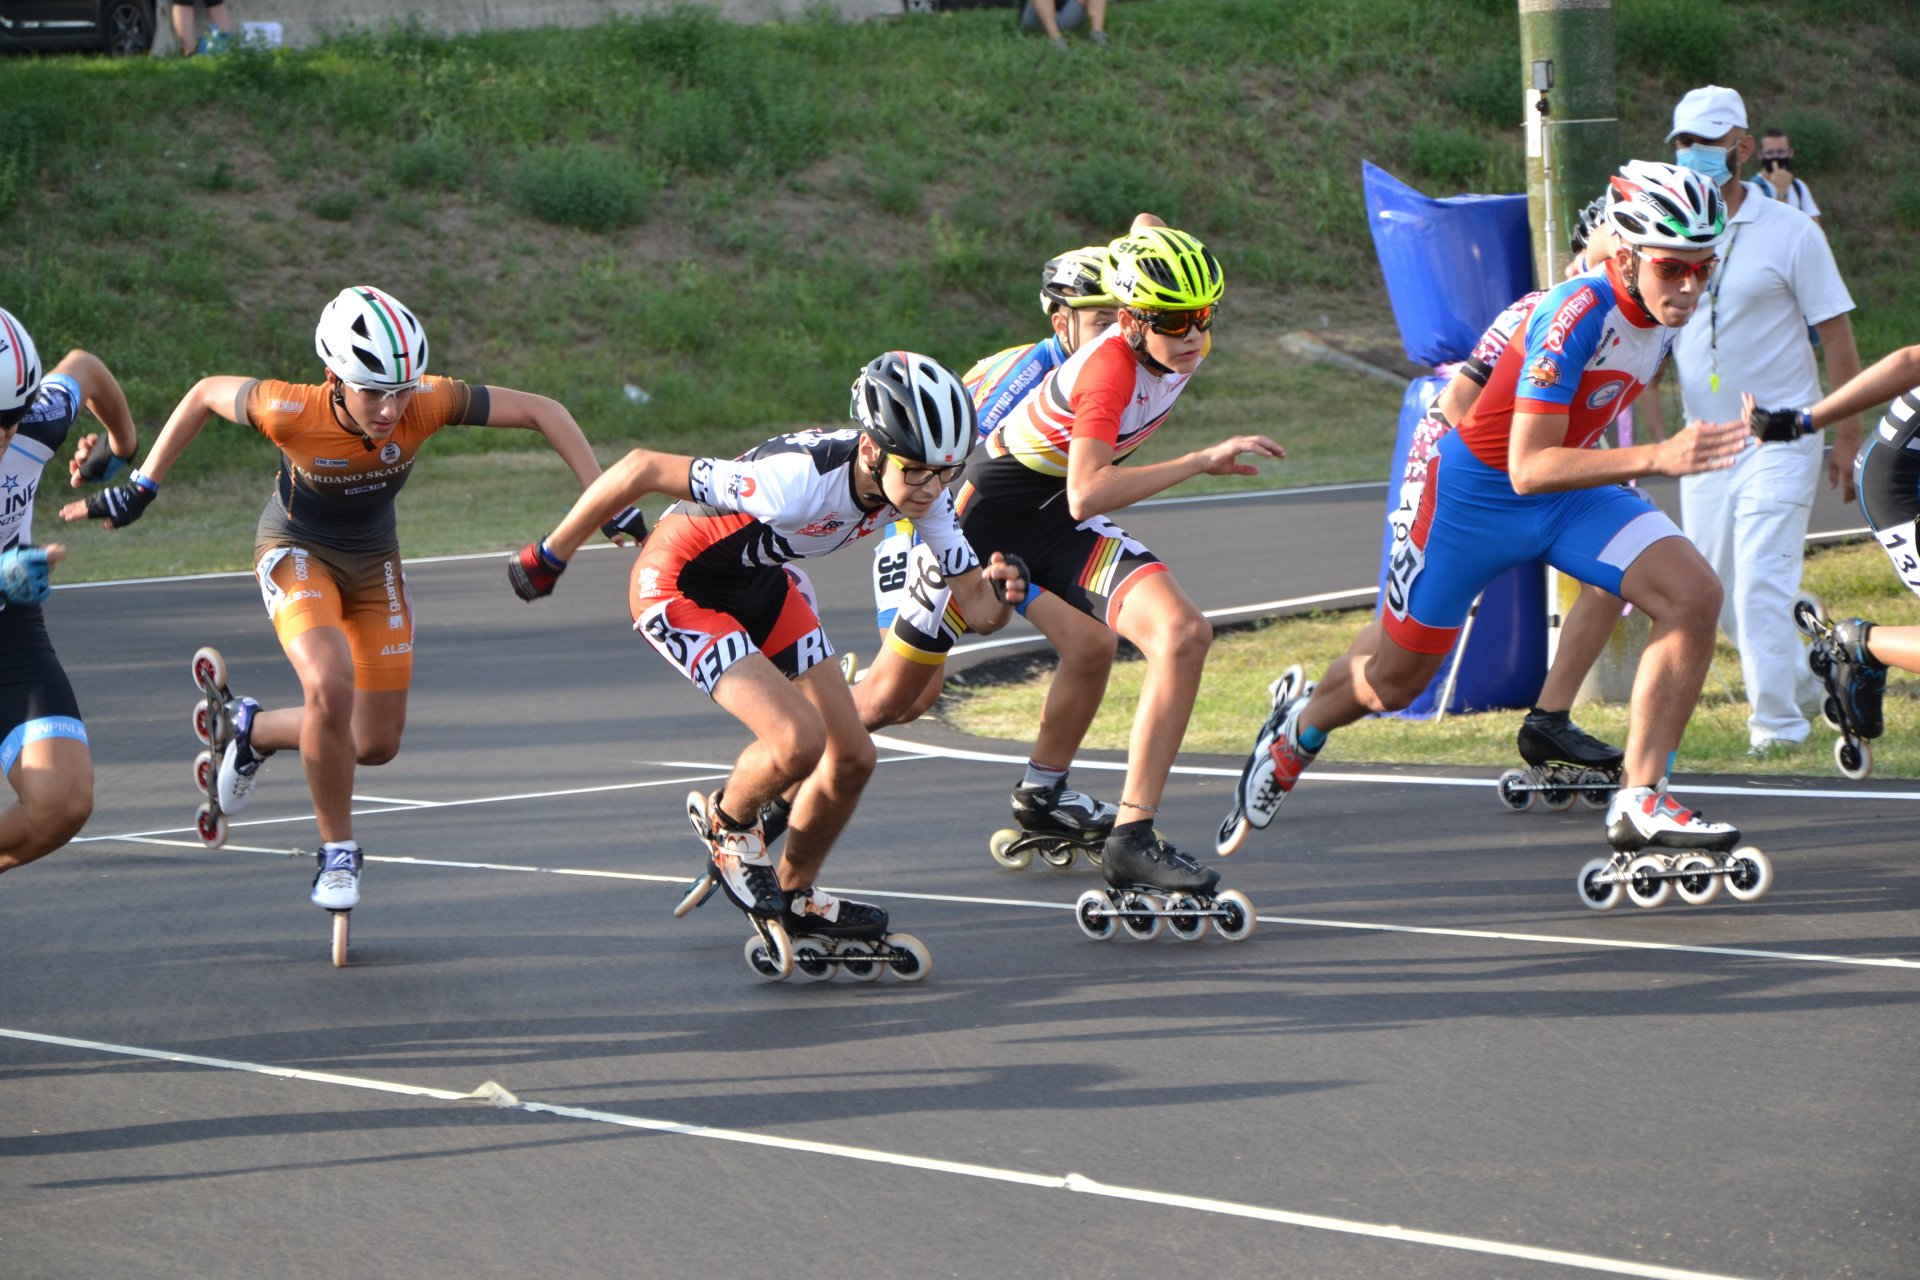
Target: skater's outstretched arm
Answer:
[[509, 408], [95, 460], [1539, 462], [640, 473], [1894, 375], [119, 507], [1097, 485]]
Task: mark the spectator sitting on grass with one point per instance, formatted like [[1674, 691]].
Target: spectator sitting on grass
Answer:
[[1044, 15]]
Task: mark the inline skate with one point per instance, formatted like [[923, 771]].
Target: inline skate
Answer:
[[1272, 767], [1659, 848], [1563, 762], [1149, 883], [773, 824], [1855, 683], [737, 863], [1054, 824], [833, 934]]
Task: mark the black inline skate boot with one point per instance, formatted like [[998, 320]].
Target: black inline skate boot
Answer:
[[1564, 761], [1659, 845], [832, 934], [1855, 680], [1150, 882], [1054, 824]]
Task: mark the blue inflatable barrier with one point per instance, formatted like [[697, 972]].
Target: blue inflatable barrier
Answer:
[[1505, 657], [1451, 265]]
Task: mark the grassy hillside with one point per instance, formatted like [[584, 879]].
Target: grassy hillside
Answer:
[[734, 219]]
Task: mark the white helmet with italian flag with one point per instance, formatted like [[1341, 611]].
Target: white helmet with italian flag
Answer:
[[370, 339]]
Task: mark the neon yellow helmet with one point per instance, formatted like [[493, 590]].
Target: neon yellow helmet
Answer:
[[1160, 269], [1074, 280]]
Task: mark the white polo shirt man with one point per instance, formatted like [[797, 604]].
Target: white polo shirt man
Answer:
[[1776, 279]]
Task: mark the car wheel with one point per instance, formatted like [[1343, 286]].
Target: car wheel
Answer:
[[126, 28]]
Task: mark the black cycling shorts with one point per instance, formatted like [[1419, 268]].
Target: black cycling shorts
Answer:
[[1887, 475], [36, 699]]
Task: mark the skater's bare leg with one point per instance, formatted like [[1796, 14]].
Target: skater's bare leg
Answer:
[[336, 728], [896, 689], [827, 798], [1584, 633], [1355, 685], [1895, 647], [1173, 635], [1079, 684], [788, 735], [1672, 583], [54, 779]]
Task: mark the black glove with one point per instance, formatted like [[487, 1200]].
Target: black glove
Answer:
[[123, 503], [632, 522], [1777, 426], [102, 464], [1020, 567], [534, 571]]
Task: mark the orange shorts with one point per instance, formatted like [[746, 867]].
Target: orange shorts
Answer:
[[364, 596]]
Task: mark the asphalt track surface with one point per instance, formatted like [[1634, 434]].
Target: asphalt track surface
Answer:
[[1428, 1061]]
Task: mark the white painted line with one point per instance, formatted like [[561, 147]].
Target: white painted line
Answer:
[[1355, 594], [892, 743], [1079, 1184], [1304, 922], [418, 804]]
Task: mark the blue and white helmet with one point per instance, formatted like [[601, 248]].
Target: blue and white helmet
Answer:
[[20, 369]]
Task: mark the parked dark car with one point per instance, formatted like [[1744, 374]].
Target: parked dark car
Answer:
[[123, 28]]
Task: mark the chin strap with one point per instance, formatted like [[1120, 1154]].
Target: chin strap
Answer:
[[341, 416], [1139, 344]]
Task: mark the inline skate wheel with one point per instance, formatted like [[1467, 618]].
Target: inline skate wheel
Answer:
[[1853, 757], [1830, 712], [857, 961], [761, 959], [1647, 884], [1094, 914], [1512, 793], [810, 962], [340, 930], [1236, 920], [1809, 615], [1697, 885], [1232, 834], [1596, 788], [1749, 874], [208, 726], [1058, 856], [1557, 799], [211, 825], [1000, 845], [911, 961], [1601, 895], [1186, 923], [205, 772], [697, 892], [1096, 858], [209, 670], [1137, 917]]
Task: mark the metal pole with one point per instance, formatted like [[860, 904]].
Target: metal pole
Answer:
[[1573, 135]]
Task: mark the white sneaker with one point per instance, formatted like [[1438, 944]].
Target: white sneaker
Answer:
[[239, 764], [337, 885]]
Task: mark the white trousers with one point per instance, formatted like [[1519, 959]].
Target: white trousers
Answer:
[[1750, 522]]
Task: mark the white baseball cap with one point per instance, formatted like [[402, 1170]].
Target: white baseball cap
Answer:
[[1708, 113]]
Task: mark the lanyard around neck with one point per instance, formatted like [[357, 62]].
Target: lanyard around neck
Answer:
[[1713, 309]]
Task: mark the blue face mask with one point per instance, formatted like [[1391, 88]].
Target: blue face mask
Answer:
[[1709, 162]]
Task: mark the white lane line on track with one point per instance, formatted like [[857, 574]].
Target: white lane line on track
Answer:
[[494, 1095], [924, 750], [1304, 922]]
